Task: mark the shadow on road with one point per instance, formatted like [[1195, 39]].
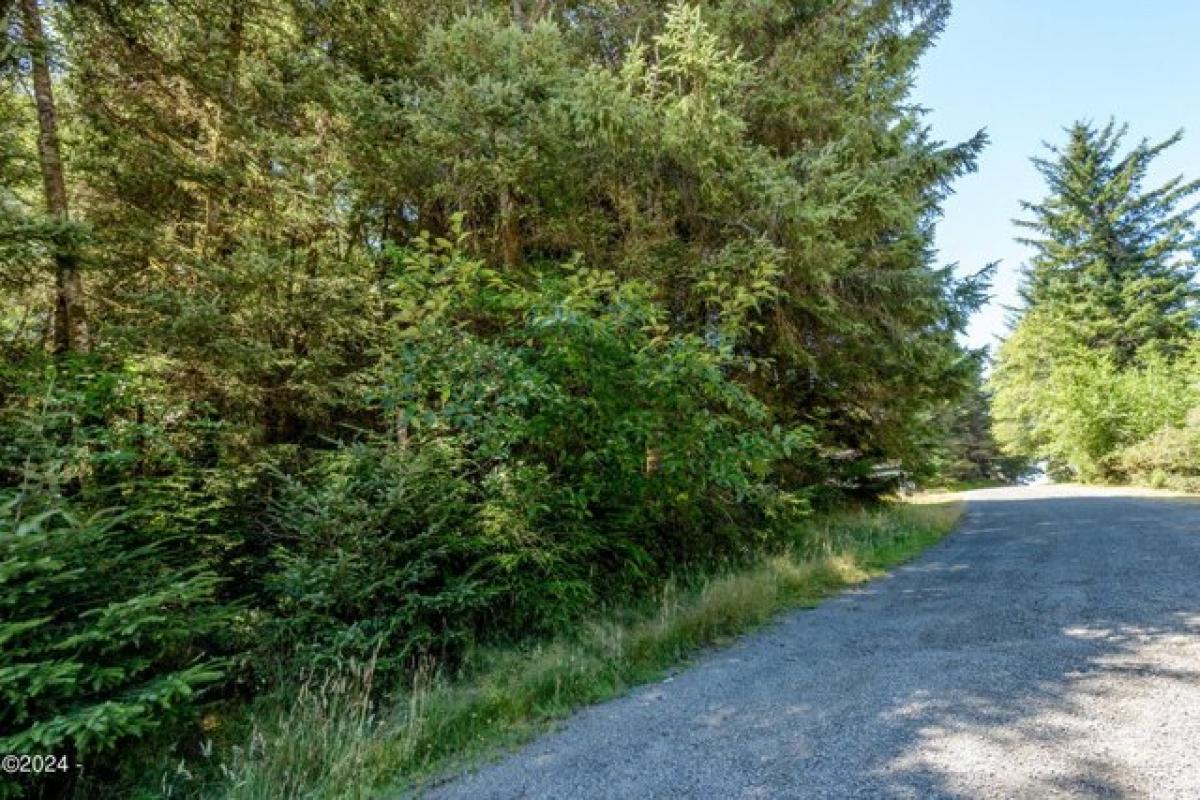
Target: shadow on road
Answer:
[[1071, 665]]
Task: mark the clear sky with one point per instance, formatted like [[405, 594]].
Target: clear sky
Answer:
[[1025, 69]]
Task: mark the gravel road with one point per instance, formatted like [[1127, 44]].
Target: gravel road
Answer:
[[1050, 648]]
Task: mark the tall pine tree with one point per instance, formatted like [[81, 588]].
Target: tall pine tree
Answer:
[[1109, 299], [1114, 262]]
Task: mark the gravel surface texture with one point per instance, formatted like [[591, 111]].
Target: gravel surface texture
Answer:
[[1049, 648]]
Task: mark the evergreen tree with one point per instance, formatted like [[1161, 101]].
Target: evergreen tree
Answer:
[[1113, 262], [760, 168], [967, 449], [1109, 305], [69, 328]]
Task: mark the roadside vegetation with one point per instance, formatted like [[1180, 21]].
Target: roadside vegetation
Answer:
[[348, 347], [332, 740]]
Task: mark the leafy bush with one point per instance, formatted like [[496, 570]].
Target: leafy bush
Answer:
[[552, 447], [1169, 458], [1078, 410]]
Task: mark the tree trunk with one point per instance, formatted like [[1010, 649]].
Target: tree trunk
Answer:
[[69, 320], [218, 198], [510, 229]]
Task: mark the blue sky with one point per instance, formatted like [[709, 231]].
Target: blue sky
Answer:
[[1025, 69]]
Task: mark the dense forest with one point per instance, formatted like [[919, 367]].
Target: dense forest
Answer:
[[340, 333]]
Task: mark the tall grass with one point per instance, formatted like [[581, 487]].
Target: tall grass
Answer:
[[330, 741]]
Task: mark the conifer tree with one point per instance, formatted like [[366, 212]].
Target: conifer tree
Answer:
[[1109, 303], [68, 314], [1113, 262], [968, 451]]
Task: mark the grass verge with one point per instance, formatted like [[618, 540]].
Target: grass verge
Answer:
[[964, 486], [330, 741]]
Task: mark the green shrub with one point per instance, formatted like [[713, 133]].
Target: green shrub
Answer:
[[1076, 409], [552, 447], [332, 739], [112, 619], [101, 634], [375, 554], [1167, 459]]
